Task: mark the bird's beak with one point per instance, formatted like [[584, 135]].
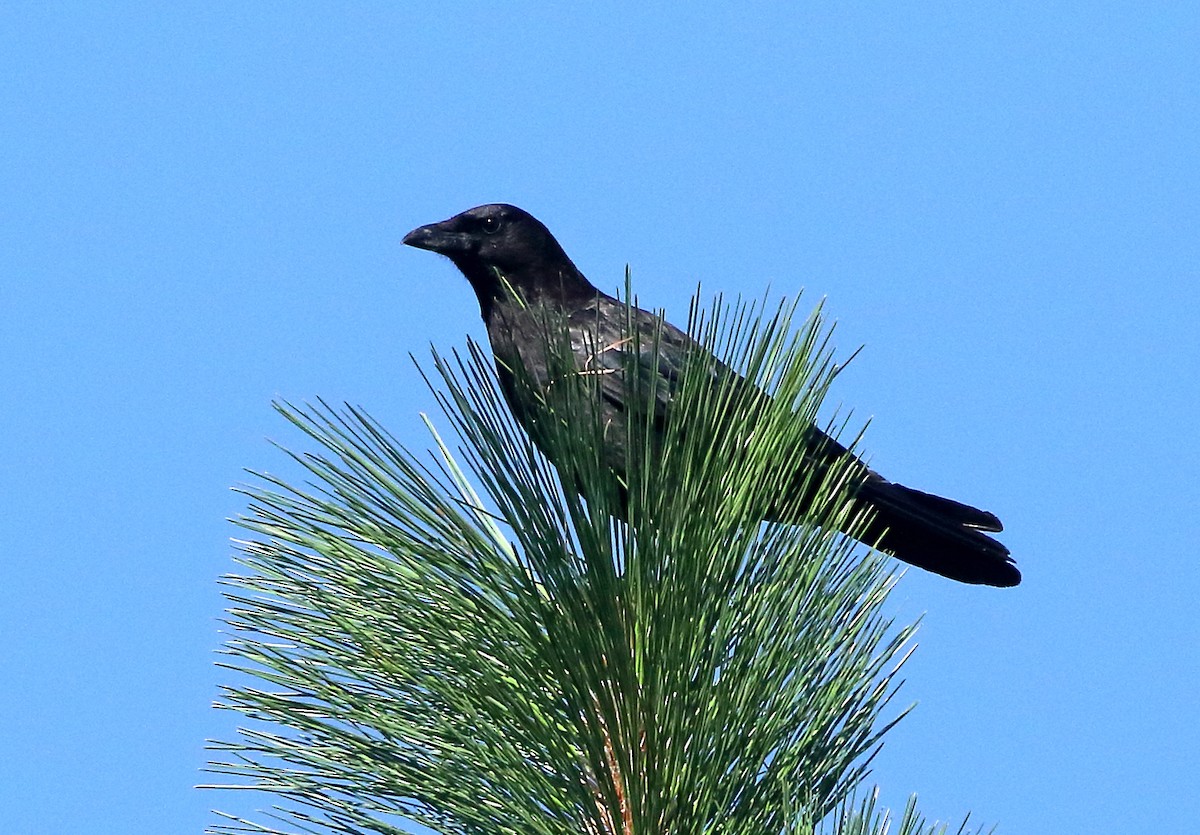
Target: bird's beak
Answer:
[[438, 237]]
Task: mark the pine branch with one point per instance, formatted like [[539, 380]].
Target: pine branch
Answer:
[[483, 643]]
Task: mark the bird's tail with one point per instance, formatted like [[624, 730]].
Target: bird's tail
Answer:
[[937, 534]]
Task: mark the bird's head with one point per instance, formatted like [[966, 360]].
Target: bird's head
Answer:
[[498, 241]]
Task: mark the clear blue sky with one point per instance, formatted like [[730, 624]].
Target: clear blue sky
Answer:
[[200, 210]]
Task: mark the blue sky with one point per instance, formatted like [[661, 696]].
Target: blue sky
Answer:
[[201, 207]]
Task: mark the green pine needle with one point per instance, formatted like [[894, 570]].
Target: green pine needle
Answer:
[[480, 642]]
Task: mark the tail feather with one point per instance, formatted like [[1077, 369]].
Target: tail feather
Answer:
[[952, 511], [937, 534]]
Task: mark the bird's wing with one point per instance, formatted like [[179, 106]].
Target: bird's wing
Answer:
[[611, 340]]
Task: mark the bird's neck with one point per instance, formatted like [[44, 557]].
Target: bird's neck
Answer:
[[563, 286]]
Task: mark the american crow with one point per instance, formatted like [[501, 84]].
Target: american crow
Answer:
[[501, 249]]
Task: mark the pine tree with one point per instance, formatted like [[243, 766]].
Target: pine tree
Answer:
[[479, 642]]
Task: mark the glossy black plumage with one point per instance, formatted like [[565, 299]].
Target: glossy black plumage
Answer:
[[498, 245]]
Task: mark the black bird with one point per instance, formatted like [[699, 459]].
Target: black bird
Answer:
[[500, 249]]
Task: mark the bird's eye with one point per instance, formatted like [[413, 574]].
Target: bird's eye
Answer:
[[491, 225]]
